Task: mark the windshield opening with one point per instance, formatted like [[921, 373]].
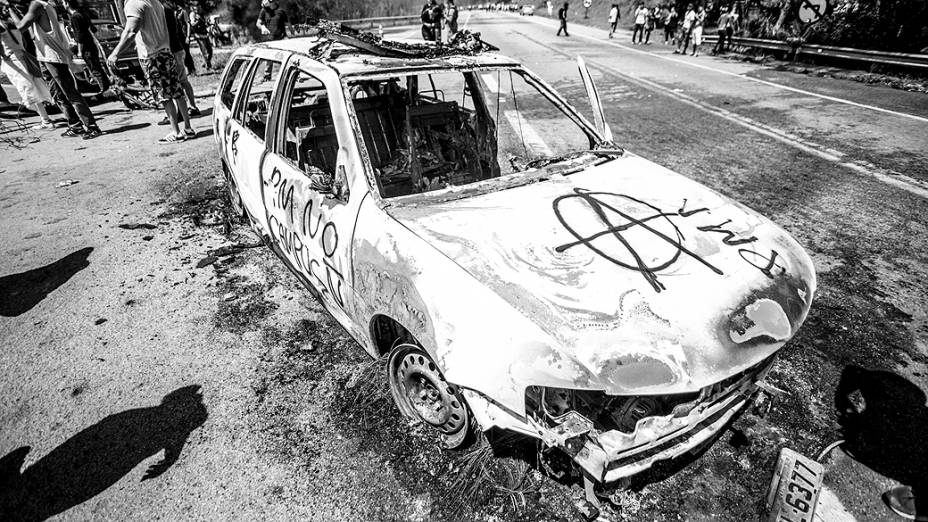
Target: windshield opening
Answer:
[[430, 131]]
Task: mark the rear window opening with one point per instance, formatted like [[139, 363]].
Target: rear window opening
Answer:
[[430, 131]]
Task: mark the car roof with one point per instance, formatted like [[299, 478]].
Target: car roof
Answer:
[[351, 61]]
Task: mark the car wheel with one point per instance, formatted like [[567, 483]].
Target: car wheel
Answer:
[[422, 393]]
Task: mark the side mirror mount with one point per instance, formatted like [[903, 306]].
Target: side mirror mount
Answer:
[[329, 185]]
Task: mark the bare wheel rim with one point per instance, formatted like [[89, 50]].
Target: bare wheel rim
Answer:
[[422, 392]]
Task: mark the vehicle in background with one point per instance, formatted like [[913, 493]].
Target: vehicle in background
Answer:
[[527, 10]]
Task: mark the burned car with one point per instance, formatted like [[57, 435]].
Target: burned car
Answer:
[[517, 269]]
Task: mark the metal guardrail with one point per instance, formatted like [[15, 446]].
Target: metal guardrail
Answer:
[[911, 60], [364, 23]]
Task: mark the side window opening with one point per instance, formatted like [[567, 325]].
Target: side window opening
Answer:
[[233, 82], [258, 103], [310, 141]]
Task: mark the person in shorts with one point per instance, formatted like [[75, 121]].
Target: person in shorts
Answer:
[[176, 36], [145, 22]]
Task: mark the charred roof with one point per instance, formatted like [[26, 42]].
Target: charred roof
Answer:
[[352, 52]]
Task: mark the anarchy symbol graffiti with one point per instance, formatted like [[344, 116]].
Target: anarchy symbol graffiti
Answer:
[[625, 231]]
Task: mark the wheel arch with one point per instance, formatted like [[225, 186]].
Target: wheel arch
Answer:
[[385, 331]]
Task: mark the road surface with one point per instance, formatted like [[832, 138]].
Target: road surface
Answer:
[[120, 354]]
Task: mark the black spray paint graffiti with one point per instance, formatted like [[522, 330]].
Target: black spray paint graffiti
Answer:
[[652, 220], [656, 225], [295, 234], [234, 145]]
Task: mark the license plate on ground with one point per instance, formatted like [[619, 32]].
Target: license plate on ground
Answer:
[[794, 489]]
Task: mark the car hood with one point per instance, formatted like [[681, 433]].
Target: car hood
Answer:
[[651, 281]]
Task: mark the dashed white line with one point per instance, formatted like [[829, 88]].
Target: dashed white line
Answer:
[[530, 137]]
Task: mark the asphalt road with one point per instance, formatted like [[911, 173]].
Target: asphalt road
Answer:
[[105, 329]]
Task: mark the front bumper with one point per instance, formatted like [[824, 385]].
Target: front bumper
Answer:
[[612, 455]]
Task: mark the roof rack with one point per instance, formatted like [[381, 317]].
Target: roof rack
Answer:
[[463, 42]]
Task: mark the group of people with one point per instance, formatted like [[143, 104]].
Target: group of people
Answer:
[[666, 17], [36, 55], [435, 17]]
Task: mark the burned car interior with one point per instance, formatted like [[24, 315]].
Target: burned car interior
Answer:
[[462, 126]]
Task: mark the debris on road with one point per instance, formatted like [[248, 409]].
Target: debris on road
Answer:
[[67, 183], [99, 321], [229, 297], [136, 226], [147, 238], [206, 261]]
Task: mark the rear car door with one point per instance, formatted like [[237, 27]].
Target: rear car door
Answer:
[[248, 129], [313, 185]]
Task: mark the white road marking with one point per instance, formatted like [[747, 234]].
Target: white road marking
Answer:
[[889, 177], [749, 78], [491, 82], [530, 137]]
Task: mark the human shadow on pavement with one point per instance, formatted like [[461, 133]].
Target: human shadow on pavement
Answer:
[[96, 458], [126, 128], [884, 420], [19, 293]]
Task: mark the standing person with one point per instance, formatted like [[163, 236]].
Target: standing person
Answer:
[[550, 6], [145, 23], [55, 55], [428, 27], [649, 25], [697, 29], [183, 29], [86, 44], [688, 19], [200, 32], [23, 71], [614, 17], [562, 17], [272, 20], [451, 19], [641, 17], [177, 49], [670, 25], [724, 25]]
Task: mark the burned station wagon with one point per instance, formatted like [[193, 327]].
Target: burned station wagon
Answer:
[[517, 269]]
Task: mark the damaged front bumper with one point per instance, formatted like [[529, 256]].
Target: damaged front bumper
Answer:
[[608, 455]]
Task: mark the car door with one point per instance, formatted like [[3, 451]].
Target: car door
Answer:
[[223, 107], [312, 186], [248, 129]]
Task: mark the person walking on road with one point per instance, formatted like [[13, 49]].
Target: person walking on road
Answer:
[[145, 22], [641, 18], [562, 17], [54, 53], [22, 69], [272, 20], [83, 30], [199, 30], [697, 29], [614, 18], [670, 25], [684, 39]]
